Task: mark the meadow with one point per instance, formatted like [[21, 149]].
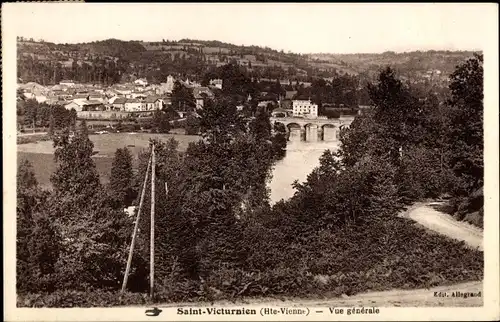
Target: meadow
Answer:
[[41, 154]]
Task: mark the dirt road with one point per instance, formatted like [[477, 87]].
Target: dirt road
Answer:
[[445, 224], [442, 296]]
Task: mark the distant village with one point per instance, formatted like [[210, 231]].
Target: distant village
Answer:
[[142, 98], [138, 96]]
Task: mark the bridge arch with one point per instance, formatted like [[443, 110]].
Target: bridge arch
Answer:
[[330, 132], [295, 131], [330, 125], [294, 125], [326, 129], [311, 131]]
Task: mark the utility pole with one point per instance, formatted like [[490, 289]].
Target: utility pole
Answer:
[[136, 227], [152, 247]]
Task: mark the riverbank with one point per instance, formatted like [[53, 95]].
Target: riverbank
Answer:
[[300, 159]]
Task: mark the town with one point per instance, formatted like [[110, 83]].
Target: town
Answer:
[[112, 80], [138, 100]]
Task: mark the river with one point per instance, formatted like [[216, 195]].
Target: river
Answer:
[[301, 158]]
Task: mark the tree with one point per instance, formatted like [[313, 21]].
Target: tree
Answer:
[[119, 126], [76, 179], [37, 242], [235, 82], [51, 127], [44, 248], [94, 232], [26, 205], [466, 125], [358, 140], [73, 116], [25, 176], [277, 89], [220, 121], [398, 116], [182, 98], [31, 112], [279, 140], [121, 179], [260, 127], [161, 122], [171, 113], [192, 124]]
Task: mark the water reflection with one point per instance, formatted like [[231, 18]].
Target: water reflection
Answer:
[[301, 158]]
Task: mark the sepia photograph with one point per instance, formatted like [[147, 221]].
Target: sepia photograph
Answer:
[[251, 161]]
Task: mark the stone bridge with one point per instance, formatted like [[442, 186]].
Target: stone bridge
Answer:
[[312, 130]]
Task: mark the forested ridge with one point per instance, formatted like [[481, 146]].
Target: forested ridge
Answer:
[[112, 60], [218, 237]]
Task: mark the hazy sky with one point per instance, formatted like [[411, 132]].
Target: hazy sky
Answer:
[[304, 28]]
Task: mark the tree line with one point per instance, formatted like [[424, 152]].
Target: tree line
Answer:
[[30, 113]]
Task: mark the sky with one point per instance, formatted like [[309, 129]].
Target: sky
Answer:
[[300, 28]]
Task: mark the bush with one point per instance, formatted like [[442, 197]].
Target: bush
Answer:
[[70, 298], [237, 283], [420, 175]]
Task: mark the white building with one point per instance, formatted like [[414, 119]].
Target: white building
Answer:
[[170, 84], [304, 108], [137, 95], [85, 105], [133, 105], [123, 91], [141, 82], [112, 99], [67, 82], [152, 103], [216, 83], [199, 101], [38, 98]]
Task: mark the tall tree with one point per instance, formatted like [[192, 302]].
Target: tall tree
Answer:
[[466, 130], [397, 113], [260, 126], [192, 124], [31, 112], [121, 180], [161, 122], [51, 127], [36, 239], [220, 122], [279, 140], [182, 98], [76, 179]]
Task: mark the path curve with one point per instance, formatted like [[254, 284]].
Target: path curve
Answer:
[[445, 224]]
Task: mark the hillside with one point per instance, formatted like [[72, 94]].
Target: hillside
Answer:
[[408, 63], [113, 60]]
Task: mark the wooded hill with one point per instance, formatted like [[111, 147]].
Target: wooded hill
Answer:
[[112, 60]]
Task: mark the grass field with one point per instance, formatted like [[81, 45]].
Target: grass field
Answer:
[[41, 154], [44, 165], [106, 144]]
